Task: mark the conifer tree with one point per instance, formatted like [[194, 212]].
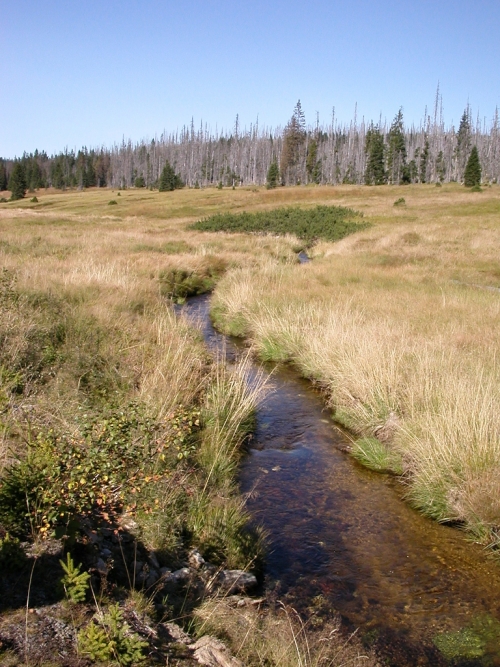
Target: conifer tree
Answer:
[[272, 175], [17, 182], [169, 180], [463, 144], [375, 173], [293, 140], [396, 154], [424, 161], [472, 175], [3, 176]]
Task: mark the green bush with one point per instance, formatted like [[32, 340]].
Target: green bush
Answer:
[[326, 222], [110, 640], [93, 471], [113, 202], [400, 202], [75, 582]]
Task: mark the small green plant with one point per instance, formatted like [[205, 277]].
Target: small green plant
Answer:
[[112, 202], [400, 202], [377, 456], [12, 555], [111, 640], [74, 581], [477, 640], [476, 188], [34, 200], [3, 200]]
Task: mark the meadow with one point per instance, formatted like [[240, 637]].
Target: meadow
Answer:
[[111, 407]]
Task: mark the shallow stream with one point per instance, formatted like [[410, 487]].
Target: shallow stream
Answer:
[[341, 535]]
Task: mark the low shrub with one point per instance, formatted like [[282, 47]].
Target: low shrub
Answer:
[[331, 223]]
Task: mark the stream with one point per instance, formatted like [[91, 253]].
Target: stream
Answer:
[[341, 535]]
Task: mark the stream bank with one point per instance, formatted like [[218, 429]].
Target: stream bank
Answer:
[[340, 535]]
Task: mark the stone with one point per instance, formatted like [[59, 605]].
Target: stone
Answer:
[[153, 577], [196, 560], [153, 560], [171, 632], [213, 653], [236, 581]]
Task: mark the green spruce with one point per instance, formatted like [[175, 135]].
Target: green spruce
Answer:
[[273, 174], [472, 175], [375, 173], [17, 182], [169, 180]]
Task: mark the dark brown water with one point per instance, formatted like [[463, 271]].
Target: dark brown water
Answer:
[[343, 533]]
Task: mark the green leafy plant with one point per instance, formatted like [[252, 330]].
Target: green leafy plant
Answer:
[[400, 202], [112, 202], [111, 640], [74, 581]]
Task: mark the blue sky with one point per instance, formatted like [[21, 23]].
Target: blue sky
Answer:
[[89, 73]]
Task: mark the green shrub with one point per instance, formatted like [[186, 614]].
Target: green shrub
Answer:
[[92, 471], [327, 222], [112, 202], [12, 556], [110, 640], [75, 582], [34, 200], [400, 202]]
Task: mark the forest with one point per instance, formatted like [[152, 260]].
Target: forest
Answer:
[[298, 153]]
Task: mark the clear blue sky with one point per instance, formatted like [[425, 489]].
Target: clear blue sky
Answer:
[[89, 73]]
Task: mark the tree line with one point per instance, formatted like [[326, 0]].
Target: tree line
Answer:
[[358, 153]]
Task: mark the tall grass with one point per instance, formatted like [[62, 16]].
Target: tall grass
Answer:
[[279, 637], [395, 326]]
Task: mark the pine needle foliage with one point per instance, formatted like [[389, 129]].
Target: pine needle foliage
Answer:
[[74, 581], [110, 640], [472, 176], [331, 223]]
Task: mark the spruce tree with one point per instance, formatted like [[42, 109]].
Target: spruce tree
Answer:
[[375, 173], [472, 175], [294, 138], [272, 175], [169, 180], [17, 182], [396, 154], [3, 176]]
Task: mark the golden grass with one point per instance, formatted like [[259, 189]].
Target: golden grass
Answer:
[[399, 322], [279, 638]]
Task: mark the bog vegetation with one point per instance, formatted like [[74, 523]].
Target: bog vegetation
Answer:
[[330, 223], [113, 415]]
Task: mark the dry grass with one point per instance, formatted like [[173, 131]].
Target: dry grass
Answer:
[[279, 638], [399, 325], [399, 322]]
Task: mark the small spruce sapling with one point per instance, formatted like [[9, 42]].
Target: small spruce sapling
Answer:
[[74, 581]]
